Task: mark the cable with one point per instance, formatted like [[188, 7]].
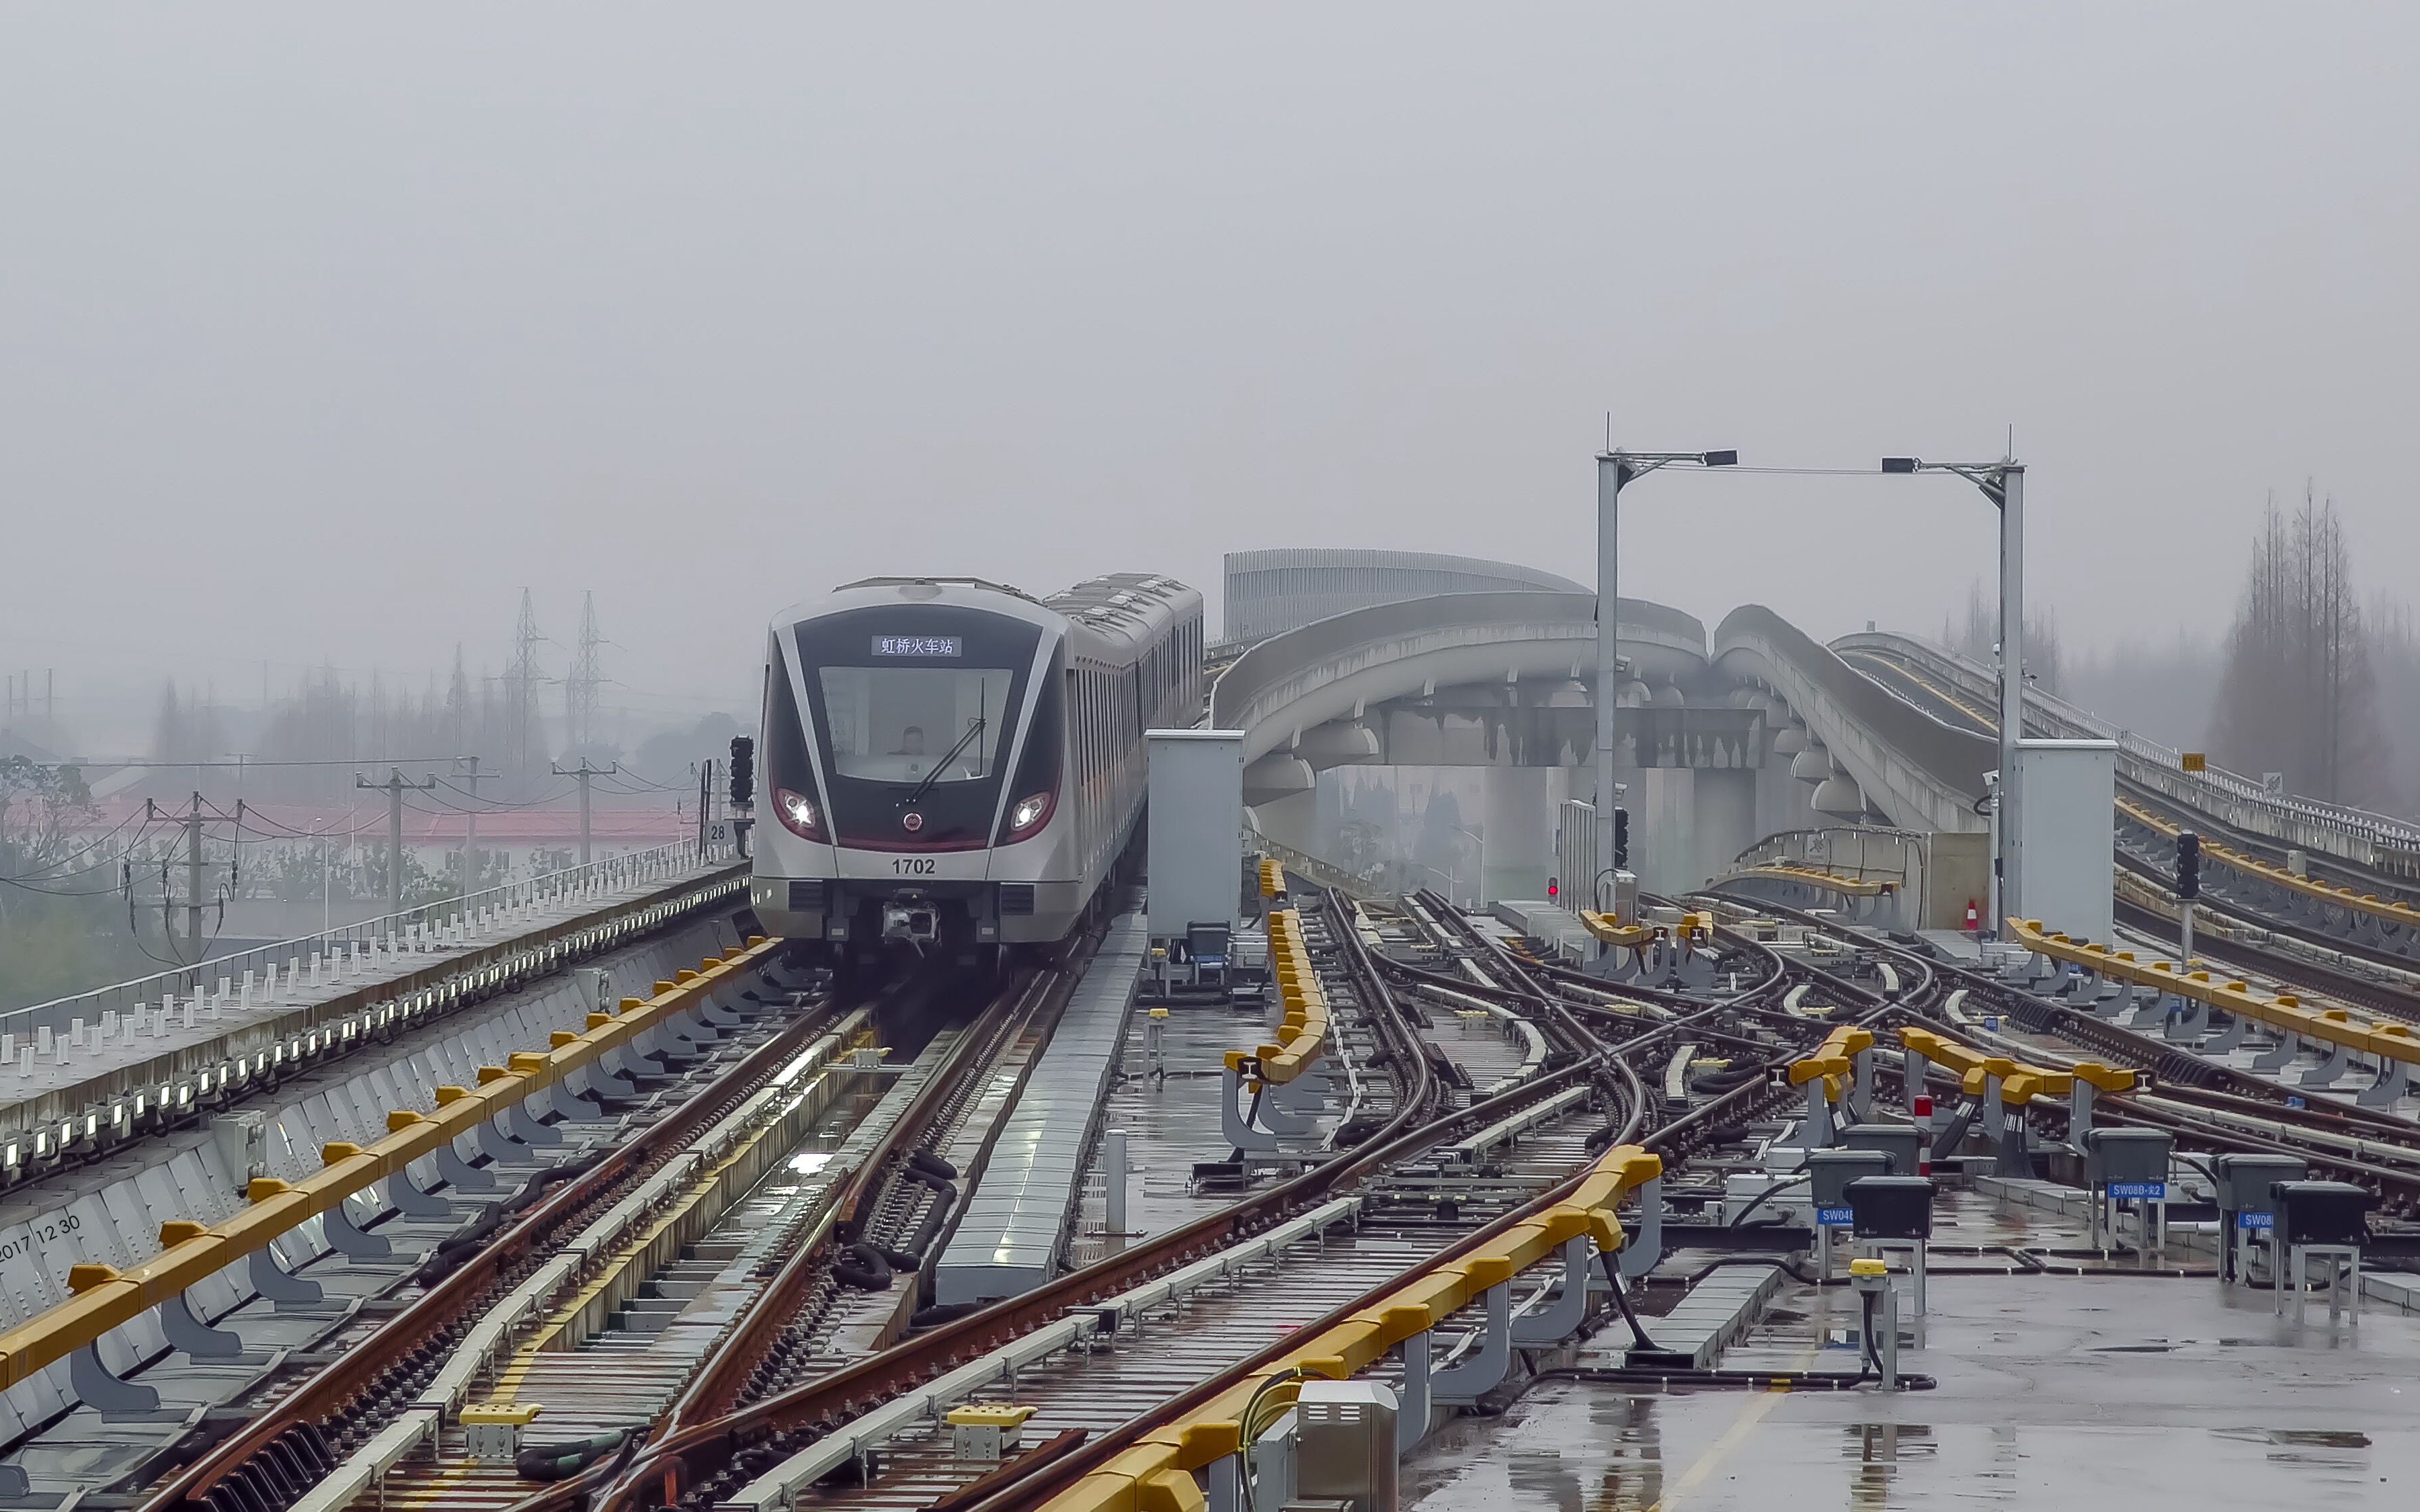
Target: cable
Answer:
[[1759, 1198], [131, 814], [1621, 1299], [1248, 1433], [56, 892], [494, 806], [247, 765], [260, 816], [1869, 1354]]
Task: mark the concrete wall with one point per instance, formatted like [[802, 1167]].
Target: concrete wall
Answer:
[[1960, 873]]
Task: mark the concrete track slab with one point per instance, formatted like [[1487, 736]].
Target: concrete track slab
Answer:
[[2066, 1392]]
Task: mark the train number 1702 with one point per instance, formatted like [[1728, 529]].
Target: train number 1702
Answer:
[[916, 866]]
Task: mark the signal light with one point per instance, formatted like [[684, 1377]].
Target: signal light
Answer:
[[1554, 888], [1621, 839], [2188, 865], [743, 770]]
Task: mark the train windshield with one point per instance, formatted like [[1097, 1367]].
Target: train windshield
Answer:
[[916, 708], [911, 724]]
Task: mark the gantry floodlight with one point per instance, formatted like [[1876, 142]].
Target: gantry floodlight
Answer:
[[1615, 466], [2004, 484]]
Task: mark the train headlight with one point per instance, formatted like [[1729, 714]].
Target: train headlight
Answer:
[[1030, 814], [799, 814]]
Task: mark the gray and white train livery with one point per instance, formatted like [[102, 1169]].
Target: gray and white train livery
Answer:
[[953, 765]]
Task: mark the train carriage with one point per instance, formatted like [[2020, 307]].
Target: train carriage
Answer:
[[953, 765]]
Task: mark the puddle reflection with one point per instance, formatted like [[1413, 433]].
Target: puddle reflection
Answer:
[[1877, 1448]]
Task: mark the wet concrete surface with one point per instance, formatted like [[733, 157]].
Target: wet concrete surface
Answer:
[[2053, 1391]]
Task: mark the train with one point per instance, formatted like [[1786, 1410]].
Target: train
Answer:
[[957, 768]]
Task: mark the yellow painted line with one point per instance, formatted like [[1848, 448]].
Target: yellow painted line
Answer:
[[1706, 1464], [1759, 1407]]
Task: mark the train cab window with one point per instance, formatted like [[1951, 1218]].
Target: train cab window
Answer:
[[900, 724]]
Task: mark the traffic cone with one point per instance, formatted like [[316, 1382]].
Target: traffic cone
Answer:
[[1974, 917]]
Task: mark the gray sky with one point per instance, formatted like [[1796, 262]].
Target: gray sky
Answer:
[[322, 331]]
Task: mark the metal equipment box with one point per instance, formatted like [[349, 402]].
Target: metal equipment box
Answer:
[[1195, 830], [1829, 1173], [1344, 1443], [2065, 863], [1892, 1207], [2321, 1212], [1902, 1142], [2127, 1157], [2244, 1180]]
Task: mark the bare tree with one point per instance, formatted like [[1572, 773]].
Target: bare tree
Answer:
[[2298, 695], [1977, 635]]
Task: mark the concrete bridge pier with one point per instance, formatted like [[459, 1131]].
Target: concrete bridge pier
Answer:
[[1519, 824]]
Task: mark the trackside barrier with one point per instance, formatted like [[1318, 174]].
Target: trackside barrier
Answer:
[[2395, 1046], [1159, 1474], [1815, 877], [105, 1298], [1123, 1315], [653, 1214], [1841, 1068], [1611, 930], [1303, 1028], [145, 1067], [2370, 904], [1657, 951], [2000, 1083]]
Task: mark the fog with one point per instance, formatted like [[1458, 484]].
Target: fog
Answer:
[[326, 331]]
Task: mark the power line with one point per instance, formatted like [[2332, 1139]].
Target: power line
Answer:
[[246, 765], [262, 817], [103, 840]]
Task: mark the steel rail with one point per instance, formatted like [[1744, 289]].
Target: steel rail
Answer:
[[1676, 1141], [692, 1462], [493, 1267], [2184, 1078], [717, 1388]]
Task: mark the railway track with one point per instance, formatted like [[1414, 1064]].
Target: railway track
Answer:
[[308, 1420], [388, 1367], [2210, 1108], [713, 1459], [2297, 967], [1100, 1396], [1634, 1116], [798, 1354]]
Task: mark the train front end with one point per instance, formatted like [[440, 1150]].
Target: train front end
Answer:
[[912, 743]]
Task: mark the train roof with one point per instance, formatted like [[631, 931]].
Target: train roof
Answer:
[[1120, 603], [1122, 599]]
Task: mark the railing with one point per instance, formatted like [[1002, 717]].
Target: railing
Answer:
[[409, 930], [1325, 873], [2358, 834], [1830, 850]]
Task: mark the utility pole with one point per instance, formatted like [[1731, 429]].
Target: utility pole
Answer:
[[704, 793], [468, 767], [194, 877], [193, 818], [584, 771], [396, 787]]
